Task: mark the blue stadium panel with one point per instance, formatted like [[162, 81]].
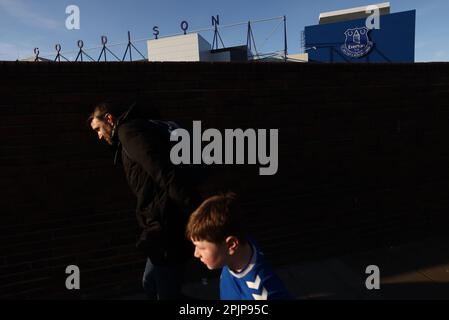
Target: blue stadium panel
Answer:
[[351, 41]]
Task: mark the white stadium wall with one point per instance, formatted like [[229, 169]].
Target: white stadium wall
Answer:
[[189, 47]]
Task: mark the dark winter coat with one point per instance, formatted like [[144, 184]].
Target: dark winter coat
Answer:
[[166, 194]]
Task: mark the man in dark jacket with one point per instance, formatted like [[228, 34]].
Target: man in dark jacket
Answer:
[[166, 194]]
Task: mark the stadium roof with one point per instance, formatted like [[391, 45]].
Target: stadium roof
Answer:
[[352, 13]]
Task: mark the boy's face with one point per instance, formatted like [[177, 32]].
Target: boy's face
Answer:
[[213, 255]]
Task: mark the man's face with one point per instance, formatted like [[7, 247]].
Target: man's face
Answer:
[[103, 129], [211, 254]]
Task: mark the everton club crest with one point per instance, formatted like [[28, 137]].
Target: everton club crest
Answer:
[[357, 43]]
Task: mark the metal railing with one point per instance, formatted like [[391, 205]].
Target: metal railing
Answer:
[[83, 56]]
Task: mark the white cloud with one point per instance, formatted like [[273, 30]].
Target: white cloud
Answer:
[[11, 51], [441, 55], [422, 44], [18, 9], [8, 51], [427, 8]]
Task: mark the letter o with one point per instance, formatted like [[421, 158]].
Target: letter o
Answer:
[[184, 26]]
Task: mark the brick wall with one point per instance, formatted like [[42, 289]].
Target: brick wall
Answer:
[[363, 162]]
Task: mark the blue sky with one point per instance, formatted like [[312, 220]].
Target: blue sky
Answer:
[[26, 24]]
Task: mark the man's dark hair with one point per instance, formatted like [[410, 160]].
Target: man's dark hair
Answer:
[[142, 108], [103, 108]]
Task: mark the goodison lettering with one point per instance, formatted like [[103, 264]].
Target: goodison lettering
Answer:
[[212, 153]]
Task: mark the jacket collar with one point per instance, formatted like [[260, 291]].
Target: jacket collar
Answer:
[[120, 121]]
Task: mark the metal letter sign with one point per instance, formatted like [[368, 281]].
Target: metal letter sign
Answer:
[[184, 26], [215, 20], [357, 43], [156, 31]]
